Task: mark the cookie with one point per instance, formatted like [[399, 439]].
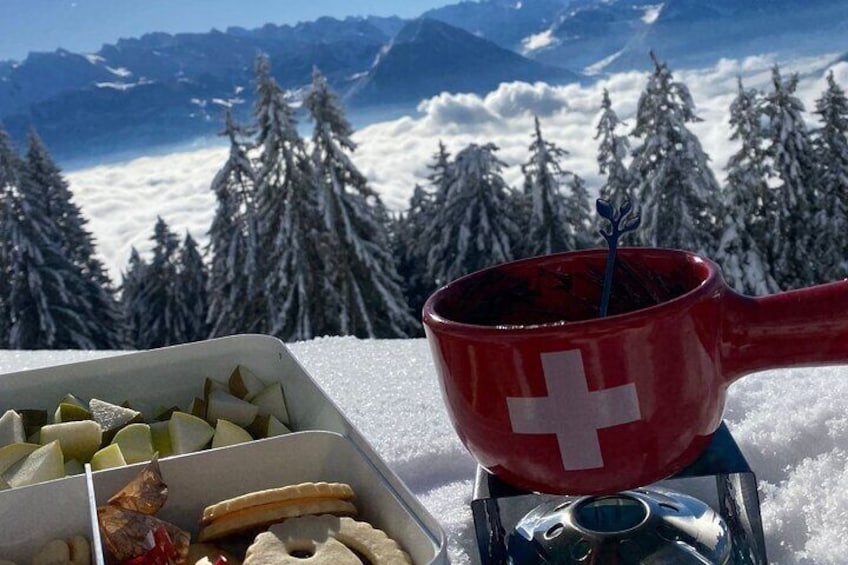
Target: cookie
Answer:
[[315, 539], [263, 508]]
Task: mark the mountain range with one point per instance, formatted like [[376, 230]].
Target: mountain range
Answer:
[[163, 88]]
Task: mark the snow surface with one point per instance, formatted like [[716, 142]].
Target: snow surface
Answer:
[[791, 424], [538, 41], [652, 13]]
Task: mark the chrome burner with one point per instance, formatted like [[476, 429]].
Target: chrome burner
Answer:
[[646, 527]]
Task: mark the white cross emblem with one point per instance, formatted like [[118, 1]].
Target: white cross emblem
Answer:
[[572, 412]]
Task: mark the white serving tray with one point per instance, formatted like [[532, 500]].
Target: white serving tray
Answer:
[[175, 375]]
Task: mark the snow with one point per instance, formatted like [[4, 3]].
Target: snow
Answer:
[[538, 41], [120, 71], [791, 424], [652, 12]]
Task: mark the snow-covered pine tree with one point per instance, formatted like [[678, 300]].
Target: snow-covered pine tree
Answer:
[[548, 229], [612, 150], [192, 281], [794, 198], [292, 238], [236, 301], [831, 151], [76, 242], [475, 227], [677, 192], [133, 285], [362, 288], [578, 213], [410, 249], [163, 323], [44, 303], [745, 233]]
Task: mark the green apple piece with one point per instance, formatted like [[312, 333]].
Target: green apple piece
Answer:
[[271, 400], [112, 417], [70, 412], [73, 467], [188, 433], [3, 486], [108, 457], [227, 433], [211, 384], [161, 438], [14, 452], [198, 408], [44, 464], [223, 405], [266, 425], [11, 428], [244, 384], [79, 440], [71, 399], [136, 442]]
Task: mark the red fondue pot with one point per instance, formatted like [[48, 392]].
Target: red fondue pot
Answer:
[[552, 398]]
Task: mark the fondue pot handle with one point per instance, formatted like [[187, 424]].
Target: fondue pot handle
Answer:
[[805, 327]]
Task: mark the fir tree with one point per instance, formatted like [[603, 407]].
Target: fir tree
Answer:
[[476, 226], [578, 213], [291, 235], [831, 150], [362, 287], [793, 202], [676, 190], [235, 285], [549, 230], [410, 249], [133, 290], [612, 150], [44, 303], [745, 237], [76, 242], [162, 322], [190, 291]]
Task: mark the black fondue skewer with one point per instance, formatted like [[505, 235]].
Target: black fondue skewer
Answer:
[[623, 220]]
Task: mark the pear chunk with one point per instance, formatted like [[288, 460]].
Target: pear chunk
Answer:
[[222, 405], [266, 425], [69, 412], [79, 440], [188, 433], [136, 443], [11, 428], [108, 457], [14, 452], [227, 433], [271, 400], [44, 464], [244, 384], [161, 438]]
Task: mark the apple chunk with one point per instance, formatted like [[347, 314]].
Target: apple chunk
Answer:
[[227, 433], [223, 405], [112, 417], [188, 433], [14, 452], [11, 428], [272, 401], [79, 439], [244, 384], [136, 443], [44, 464], [108, 457]]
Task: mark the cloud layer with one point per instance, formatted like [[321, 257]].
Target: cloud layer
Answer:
[[123, 200]]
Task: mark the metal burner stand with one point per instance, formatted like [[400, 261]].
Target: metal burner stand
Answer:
[[498, 506]]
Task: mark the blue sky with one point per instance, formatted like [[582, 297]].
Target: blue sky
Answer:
[[84, 25]]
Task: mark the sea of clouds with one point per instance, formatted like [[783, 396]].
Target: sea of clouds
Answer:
[[122, 200]]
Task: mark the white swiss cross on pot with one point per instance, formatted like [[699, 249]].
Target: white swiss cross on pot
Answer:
[[572, 412]]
